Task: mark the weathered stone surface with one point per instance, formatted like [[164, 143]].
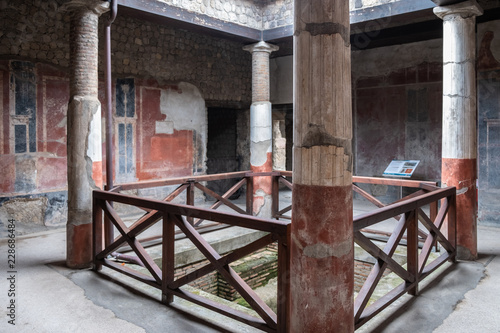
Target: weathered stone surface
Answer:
[[26, 210], [322, 253]]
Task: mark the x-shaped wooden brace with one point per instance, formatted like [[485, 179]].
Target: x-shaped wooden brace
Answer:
[[129, 236], [379, 203], [221, 199], [138, 227], [435, 235], [384, 260], [221, 264]]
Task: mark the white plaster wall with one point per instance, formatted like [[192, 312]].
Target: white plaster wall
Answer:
[[186, 111]]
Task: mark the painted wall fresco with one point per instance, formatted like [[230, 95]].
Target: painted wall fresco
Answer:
[[488, 65], [159, 132]]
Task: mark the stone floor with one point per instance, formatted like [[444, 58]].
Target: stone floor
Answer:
[[49, 297]]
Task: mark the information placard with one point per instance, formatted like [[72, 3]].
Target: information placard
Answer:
[[401, 168]]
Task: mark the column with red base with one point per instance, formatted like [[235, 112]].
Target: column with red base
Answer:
[[322, 250], [459, 143]]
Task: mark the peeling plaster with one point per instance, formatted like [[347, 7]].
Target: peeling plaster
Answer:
[[94, 147], [259, 150], [184, 109], [81, 111], [261, 133], [327, 28], [265, 204], [322, 250]]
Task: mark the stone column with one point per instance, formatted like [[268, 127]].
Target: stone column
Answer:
[[84, 129], [459, 150], [261, 127], [322, 251]]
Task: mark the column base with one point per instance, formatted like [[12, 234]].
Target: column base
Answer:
[[78, 246], [462, 173], [322, 259]]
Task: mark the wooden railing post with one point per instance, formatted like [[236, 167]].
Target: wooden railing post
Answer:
[[168, 258], [452, 222], [433, 211], [108, 226], [283, 282], [190, 197], [249, 195], [96, 233], [412, 250], [275, 207]]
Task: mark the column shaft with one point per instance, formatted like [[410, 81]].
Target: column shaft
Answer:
[[459, 143], [261, 128], [84, 131], [322, 262]]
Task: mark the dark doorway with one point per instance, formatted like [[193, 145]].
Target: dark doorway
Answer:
[[221, 147]]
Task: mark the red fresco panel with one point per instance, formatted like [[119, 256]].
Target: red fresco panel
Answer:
[[56, 106], [171, 155], [51, 173]]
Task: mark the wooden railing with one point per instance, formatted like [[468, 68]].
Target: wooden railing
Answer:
[[280, 178], [188, 185], [437, 226], [172, 216]]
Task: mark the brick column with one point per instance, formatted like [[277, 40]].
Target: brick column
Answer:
[[322, 251], [459, 152], [84, 129], [261, 127]]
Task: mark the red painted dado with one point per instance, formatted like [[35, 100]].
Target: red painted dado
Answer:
[[167, 155], [322, 259], [79, 253], [462, 173]]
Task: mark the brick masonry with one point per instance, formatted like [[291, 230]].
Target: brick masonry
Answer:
[[39, 30], [219, 68], [256, 270]]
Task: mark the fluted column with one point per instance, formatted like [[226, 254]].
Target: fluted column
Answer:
[[84, 129], [261, 127], [459, 143], [322, 251]]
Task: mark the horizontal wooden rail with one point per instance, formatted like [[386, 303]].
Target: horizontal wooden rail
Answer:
[[181, 180]]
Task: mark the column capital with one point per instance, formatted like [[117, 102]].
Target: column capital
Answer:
[[261, 47], [464, 9], [98, 7]]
